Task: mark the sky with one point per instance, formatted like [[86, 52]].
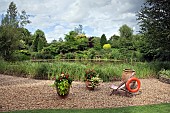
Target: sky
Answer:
[[57, 17]]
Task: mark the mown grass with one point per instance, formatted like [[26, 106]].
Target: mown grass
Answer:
[[107, 71], [158, 108]]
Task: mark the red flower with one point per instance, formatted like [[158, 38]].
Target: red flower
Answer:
[[67, 76]]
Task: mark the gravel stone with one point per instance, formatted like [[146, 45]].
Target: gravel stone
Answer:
[[18, 93]]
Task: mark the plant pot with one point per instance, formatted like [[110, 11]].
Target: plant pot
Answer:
[[66, 92], [88, 85], [127, 73]]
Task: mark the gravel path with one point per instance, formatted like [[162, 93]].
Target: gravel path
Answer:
[[23, 93]]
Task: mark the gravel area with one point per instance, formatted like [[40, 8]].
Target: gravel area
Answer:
[[23, 93]]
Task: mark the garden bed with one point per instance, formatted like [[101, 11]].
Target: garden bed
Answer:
[[23, 93], [164, 79]]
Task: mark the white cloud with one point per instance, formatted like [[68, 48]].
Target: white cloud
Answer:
[[58, 17]]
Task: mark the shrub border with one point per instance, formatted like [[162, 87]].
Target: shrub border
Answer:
[[164, 79]]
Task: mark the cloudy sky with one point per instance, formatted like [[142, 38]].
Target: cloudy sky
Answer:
[[58, 17]]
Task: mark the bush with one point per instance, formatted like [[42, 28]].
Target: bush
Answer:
[[106, 46], [41, 71], [20, 57], [3, 65], [165, 73], [91, 53], [39, 55], [69, 56], [115, 54]]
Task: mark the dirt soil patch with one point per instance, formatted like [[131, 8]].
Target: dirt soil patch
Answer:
[[23, 93]]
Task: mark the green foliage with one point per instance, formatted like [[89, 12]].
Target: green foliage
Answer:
[[79, 29], [24, 18], [90, 73], [3, 65], [155, 24], [63, 83], [71, 36], [107, 71], [40, 45], [52, 49], [94, 81], [96, 43], [70, 56], [10, 18], [91, 53], [113, 41], [115, 54], [63, 87], [106, 46], [8, 41], [125, 31], [92, 77], [39, 41], [82, 44], [13, 18], [41, 71], [103, 40], [76, 70], [41, 55], [17, 56], [165, 73]]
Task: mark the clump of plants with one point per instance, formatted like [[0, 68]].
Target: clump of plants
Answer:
[[164, 73], [62, 83], [92, 79]]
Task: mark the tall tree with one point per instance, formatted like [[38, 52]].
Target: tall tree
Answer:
[[8, 41], [154, 20], [39, 40], [79, 29], [24, 19], [13, 18], [125, 31], [114, 41], [103, 40]]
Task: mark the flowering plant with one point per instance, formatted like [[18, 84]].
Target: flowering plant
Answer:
[[90, 73], [63, 83], [92, 78]]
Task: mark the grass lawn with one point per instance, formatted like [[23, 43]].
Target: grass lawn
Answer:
[[158, 108]]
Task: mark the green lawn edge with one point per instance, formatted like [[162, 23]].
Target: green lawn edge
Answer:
[[155, 108]]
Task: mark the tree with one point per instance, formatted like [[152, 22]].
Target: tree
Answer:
[[96, 43], [60, 39], [114, 41], [155, 25], [39, 40], [82, 44], [8, 41], [26, 36], [13, 18], [103, 40], [24, 19], [79, 29], [40, 45], [71, 36], [125, 31]]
